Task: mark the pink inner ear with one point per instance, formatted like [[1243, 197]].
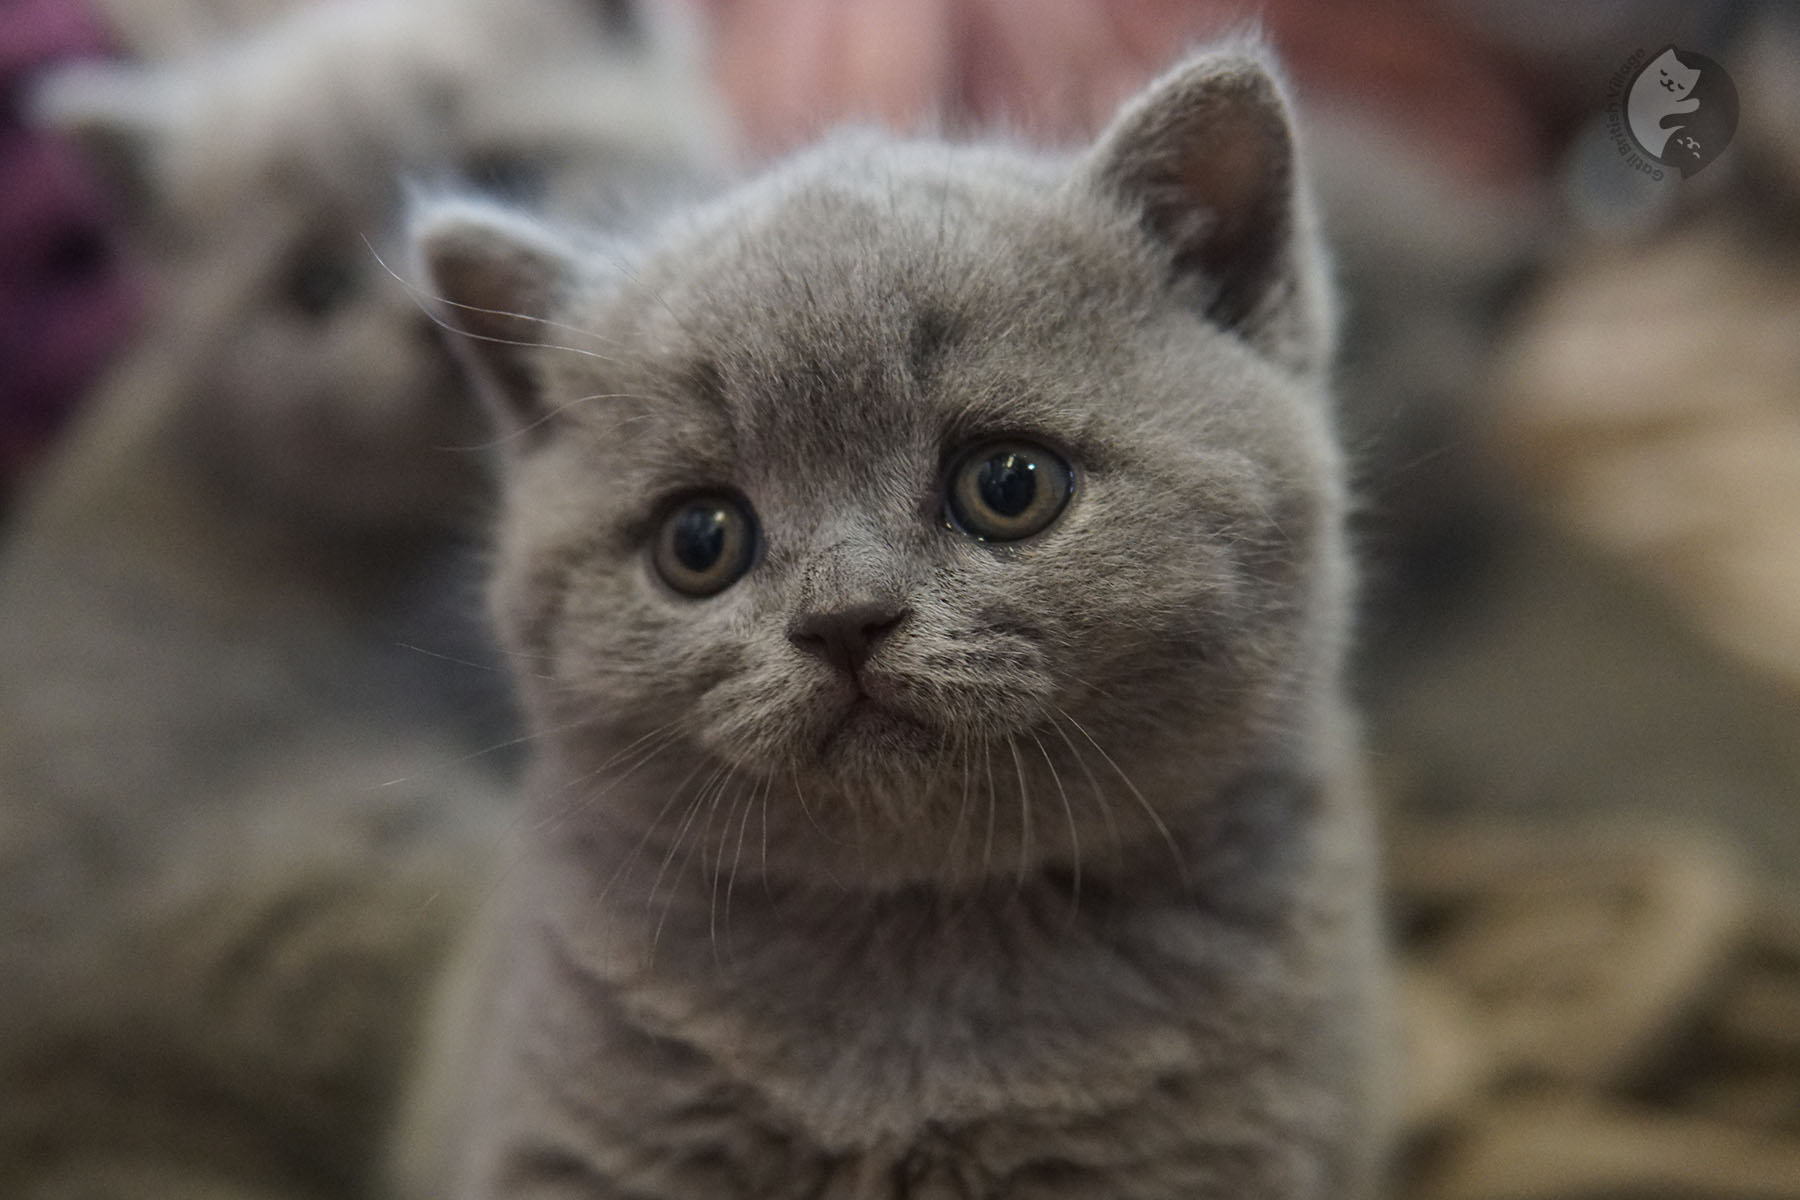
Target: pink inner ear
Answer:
[[1217, 192], [1233, 173], [1205, 159]]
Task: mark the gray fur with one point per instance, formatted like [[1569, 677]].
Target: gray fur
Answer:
[[1083, 906]]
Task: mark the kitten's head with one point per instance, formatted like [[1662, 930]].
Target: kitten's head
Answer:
[[943, 507], [263, 180]]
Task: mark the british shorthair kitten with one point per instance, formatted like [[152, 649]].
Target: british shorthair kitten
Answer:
[[925, 573]]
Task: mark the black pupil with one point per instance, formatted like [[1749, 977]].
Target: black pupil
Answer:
[[700, 538], [1007, 483]]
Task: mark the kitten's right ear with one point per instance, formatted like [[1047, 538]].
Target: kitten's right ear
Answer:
[[121, 115], [1206, 159], [495, 278]]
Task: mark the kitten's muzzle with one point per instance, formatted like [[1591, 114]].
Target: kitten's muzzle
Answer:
[[846, 637]]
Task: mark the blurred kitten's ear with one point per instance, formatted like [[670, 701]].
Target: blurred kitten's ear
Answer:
[[120, 114], [495, 278], [1205, 158]]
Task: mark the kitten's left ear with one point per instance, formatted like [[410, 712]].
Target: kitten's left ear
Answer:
[[1205, 158], [496, 278], [122, 115]]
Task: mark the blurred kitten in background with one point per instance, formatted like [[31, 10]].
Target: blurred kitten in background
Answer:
[[263, 178], [234, 609]]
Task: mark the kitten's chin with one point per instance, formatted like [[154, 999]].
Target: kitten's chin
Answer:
[[870, 733]]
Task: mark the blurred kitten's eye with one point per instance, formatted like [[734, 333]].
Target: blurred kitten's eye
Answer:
[[705, 545], [514, 174], [320, 280], [1005, 491]]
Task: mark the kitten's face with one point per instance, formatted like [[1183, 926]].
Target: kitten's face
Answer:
[[882, 360], [313, 377], [270, 177]]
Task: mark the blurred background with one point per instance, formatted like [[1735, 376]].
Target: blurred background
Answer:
[[1570, 382]]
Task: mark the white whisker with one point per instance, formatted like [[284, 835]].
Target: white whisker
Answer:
[[1162, 827], [1100, 800], [987, 848], [1068, 812], [1024, 813]]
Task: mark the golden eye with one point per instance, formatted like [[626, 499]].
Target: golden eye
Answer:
[[705, 545], [1005, 491]]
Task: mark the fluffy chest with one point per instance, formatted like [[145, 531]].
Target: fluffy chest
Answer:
[[973, 1055], [863, 1024]]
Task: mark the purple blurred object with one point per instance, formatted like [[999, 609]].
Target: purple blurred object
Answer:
[[65, 301]]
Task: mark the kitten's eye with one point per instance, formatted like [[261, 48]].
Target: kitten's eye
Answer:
[[321, 280], [1005, 491], [514, 174], [705, 545]]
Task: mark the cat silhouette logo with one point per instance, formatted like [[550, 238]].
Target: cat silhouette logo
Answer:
[[1681, 109]]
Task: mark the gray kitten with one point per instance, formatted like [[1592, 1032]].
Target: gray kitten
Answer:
[[926, 572]]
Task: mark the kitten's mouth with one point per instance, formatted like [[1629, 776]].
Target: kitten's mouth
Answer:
[[867, 721]]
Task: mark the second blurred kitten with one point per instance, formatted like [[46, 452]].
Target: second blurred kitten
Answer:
[[263, 178], [214, 916]]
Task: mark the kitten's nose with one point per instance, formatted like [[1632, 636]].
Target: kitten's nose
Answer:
[[847, 636]]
